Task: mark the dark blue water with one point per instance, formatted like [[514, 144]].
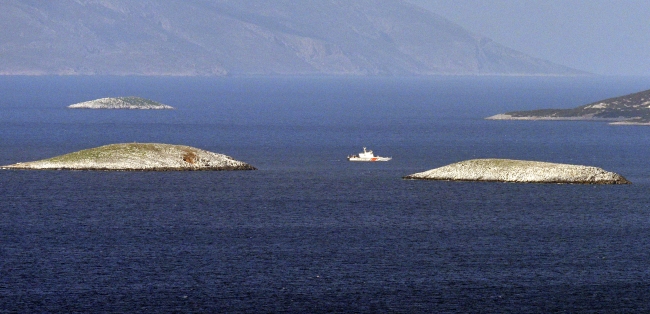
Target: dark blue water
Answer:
[[309, 231]]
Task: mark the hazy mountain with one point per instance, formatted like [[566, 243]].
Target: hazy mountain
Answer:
[[246, 37]]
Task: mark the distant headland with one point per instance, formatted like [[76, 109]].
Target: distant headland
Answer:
[[520, 171], [120, 103], [137, 157], [632, 109]]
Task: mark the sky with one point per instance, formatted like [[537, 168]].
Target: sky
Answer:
[[606, 37]]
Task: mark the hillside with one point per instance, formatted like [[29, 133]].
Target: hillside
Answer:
[[628, 109], [251, 37]]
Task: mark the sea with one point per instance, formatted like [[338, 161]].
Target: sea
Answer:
[[310, 232]]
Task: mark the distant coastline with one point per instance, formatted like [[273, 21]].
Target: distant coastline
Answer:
[[631, 109], [268, 38], [505, 116]]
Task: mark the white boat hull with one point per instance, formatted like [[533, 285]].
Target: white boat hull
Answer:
[[369, 159], [367, 155]]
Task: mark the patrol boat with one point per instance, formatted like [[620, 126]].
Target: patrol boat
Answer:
[[367, 155]]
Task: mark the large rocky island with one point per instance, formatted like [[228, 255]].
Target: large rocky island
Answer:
[[520, 171], [137, 157], [632, 109], [120, 103]]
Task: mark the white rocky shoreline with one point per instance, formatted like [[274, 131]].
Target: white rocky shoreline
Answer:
[[137, 157], [167, 157], [121, 103], [519, 171], [503, 116], [612, 121]]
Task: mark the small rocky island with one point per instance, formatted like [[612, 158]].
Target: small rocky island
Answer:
[[120, 103], [137, 157], [633, 109], [520, 171]]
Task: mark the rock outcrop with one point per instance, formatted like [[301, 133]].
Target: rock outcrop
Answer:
[[137, 157], [520, 171], [120, 103], [632, 109]]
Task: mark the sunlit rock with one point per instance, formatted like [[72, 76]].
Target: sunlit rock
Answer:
[[137, 157], [120, 103], [520, 171]]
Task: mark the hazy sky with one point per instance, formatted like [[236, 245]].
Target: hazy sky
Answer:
[[610, 37]]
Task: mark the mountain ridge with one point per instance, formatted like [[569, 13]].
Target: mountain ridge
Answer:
[[252, 37]]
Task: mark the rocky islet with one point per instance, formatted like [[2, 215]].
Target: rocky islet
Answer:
[[138, 157], [120, 103], [519, 171]]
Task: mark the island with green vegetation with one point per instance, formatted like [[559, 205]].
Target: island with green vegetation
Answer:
[[120, 103], [137, 157], [632, 109], [519, 171]]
